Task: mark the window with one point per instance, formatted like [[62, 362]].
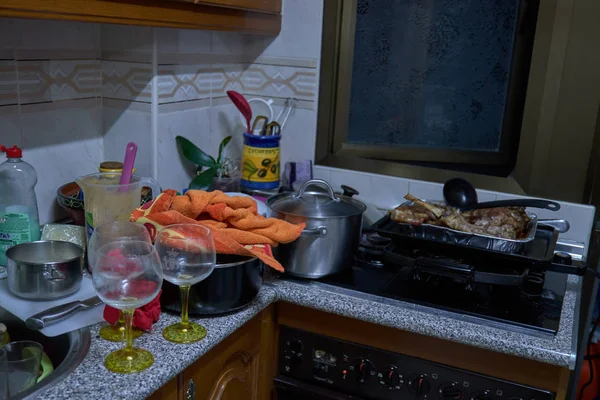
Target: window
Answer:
[[426, 82]]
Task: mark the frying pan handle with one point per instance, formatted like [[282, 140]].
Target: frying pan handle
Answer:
[[534, 203]]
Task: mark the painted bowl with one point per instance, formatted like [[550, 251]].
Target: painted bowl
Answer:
[[67, 196]]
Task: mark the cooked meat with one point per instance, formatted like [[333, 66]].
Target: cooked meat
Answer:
[[502, 222], [413, 215]]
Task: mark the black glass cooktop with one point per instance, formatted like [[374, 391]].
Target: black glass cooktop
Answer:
[[504, 304]]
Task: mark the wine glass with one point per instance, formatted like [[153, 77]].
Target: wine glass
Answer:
[[188, 256], [107, 233], [127, 275]]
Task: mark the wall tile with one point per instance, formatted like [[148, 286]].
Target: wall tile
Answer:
[[10, 127], [279, 81], [8, 83], [34, 81], [7, 39], [124, 122], [320, 172], [301, 28], [298, 136], [75, 79], [387, 192], [127, 81], [362, 183], [224, 77], [227, 43], [174, 171], [225, 121], [183, 82], [177, 46], [46, 39], [425, 190], [61, 141], [126, 43]]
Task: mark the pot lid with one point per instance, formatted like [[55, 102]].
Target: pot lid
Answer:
[[316, 203]]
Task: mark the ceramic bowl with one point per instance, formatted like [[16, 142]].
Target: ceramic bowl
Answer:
[[67, 197]]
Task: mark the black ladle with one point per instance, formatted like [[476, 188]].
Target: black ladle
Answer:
[[461, 194]]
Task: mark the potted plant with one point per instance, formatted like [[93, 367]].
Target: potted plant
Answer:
[[220, 174]]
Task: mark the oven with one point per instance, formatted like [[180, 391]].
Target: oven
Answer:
[[313, 366]]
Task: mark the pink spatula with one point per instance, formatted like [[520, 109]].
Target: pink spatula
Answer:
[[130, 153]]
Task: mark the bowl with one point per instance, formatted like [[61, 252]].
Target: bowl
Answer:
[[67, 196]]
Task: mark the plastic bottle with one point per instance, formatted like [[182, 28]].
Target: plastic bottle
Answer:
[[19, 218]]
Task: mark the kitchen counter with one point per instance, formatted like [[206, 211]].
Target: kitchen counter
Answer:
[[557, 350], [92, 381]]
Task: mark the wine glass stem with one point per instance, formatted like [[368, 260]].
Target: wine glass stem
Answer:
[[121, 320], [128, 324], [185, 296]]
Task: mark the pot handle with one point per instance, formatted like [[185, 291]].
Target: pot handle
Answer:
[[317, 182], [53, 274], [320, 231]]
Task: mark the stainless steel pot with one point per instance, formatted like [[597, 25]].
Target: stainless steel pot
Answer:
[[44, 270], [333, 228]]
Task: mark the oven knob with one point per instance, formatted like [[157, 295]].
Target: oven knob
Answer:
[[482, 396], [362, 369], [296, 346], [295, 360], [392, 379], [419, 386], [450, 391]]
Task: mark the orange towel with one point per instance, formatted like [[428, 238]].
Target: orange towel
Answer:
[[234, 222]]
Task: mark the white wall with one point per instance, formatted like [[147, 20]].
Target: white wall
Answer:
[[74, 94]]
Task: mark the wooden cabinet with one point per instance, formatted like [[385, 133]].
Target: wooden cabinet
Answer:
[[240, 367], [250, 16], [268, 6]]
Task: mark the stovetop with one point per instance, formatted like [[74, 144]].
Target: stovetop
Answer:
[[519, 297]]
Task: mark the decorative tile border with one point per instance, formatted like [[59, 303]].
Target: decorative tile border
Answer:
[[41, 81], [212, 58], [127, 81], [200, 81]]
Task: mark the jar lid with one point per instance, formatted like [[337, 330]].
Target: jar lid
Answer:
[[316, 204], [112, 165]]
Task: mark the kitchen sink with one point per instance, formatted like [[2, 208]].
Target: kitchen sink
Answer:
[[66, 351]]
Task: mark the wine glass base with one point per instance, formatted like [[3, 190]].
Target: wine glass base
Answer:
[[189, 333], [129, 361], [116, 333]]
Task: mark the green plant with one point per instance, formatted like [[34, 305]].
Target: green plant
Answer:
[[215, 168]]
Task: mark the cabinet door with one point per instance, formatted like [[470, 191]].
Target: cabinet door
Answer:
[[237, 368], [269, 6]]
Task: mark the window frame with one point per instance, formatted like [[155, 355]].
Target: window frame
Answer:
[[560, 65]]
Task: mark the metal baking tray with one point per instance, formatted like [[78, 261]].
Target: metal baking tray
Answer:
[[448, 235]]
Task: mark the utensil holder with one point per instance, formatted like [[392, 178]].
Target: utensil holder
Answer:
[[260, 162]]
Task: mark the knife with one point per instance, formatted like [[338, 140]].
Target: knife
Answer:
[[55, 314]]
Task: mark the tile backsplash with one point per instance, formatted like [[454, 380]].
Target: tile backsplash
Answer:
[[73, 94]]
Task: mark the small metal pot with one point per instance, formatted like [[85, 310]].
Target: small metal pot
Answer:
[[234, 283], [44, 270], [333, 228]]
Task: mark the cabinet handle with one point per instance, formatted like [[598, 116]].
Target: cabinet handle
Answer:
[[235, 368], [190, 393]]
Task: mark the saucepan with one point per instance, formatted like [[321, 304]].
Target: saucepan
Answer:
[[333, 229], [44, 270]]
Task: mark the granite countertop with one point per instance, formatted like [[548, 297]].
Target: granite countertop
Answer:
[[558, 350], [91, 380]]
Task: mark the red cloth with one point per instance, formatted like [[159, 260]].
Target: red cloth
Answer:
[[143, 317]]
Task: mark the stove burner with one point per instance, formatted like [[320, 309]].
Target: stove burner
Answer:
[[370, 253]]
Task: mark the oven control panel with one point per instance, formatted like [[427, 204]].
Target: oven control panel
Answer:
[[378, 374]]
